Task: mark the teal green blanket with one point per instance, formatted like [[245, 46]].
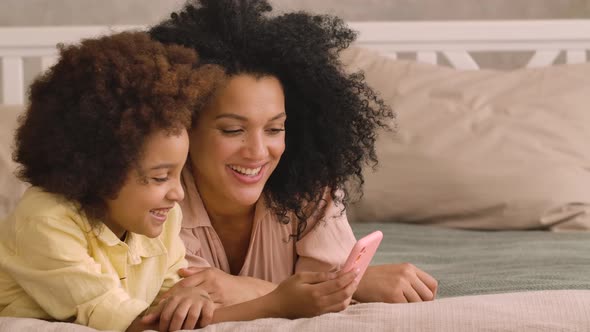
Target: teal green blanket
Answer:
[[478, 262]]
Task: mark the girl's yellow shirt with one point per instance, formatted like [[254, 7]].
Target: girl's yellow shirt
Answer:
[[54, 265]]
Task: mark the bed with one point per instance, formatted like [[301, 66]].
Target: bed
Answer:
[[485, 183]]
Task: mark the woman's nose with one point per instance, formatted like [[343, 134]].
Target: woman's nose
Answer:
[[256, 147]]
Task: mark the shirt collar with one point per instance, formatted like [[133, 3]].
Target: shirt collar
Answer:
[[138, 245]]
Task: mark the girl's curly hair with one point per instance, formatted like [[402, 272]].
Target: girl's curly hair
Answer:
[[332, 117], [89, 115]]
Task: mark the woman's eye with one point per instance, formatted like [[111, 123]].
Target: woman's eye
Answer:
[[231, 132], [275, 131], [160, 180]]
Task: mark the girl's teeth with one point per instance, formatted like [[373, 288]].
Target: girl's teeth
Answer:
[[161, 213]]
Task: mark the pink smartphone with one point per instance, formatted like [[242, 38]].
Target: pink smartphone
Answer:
[[362, 253]]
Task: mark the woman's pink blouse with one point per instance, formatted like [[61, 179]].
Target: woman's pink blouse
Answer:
[[273, 255]]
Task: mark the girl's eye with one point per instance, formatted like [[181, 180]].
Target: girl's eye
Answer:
[[160, 180]]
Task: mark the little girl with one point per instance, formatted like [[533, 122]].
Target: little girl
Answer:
[[95, 239]]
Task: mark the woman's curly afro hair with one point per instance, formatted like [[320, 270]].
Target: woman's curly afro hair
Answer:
[[332, 117], [90, 114]]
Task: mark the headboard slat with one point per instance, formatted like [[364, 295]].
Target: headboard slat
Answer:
[[543, 58], [461, 60], [575, 56], [12, 80], [427, 57]]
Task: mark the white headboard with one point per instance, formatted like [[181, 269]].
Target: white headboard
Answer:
[[429, 41], [456, 40]]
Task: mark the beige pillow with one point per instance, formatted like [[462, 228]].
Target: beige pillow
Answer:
[[480, 149], [11, 189]]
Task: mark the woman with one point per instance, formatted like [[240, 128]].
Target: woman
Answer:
[[276, 155]]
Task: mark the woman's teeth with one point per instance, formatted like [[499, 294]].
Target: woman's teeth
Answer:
[[246, 171]]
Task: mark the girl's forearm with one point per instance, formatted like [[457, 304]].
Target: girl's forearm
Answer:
[[137, 325]]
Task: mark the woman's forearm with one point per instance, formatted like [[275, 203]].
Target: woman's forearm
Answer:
[[261, 287], [305, 294], [263, 307]]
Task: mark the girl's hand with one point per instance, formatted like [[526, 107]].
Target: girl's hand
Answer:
[[396, 283], [183, 310], [308, 294], [223, 288]]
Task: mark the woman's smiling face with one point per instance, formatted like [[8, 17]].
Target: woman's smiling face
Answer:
[[238, 140]]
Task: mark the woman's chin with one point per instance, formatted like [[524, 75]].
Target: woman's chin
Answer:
[[247, 197]]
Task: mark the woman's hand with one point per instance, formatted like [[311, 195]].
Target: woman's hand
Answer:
[[305, 294], [396, 283], [188, 309], [223, 288], [308, 294]]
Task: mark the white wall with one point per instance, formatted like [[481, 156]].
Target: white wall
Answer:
[[84, 12]]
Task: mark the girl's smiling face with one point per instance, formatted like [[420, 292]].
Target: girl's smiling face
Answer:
[[150, 191]]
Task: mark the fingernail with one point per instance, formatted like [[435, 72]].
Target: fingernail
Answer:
[[357, 271]]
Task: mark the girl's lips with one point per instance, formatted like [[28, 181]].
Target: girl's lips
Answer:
[[160, 214]]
